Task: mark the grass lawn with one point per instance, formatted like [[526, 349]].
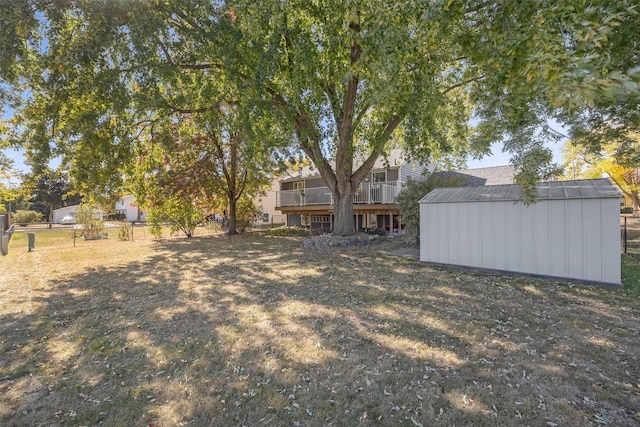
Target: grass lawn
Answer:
[[254, 330]]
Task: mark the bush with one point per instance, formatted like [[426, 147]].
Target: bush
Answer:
[[246, 213], [92, 226], [410, 196], [626, 210], [116, 217], [125, 232], [26, 217]]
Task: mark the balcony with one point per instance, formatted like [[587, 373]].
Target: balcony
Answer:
[[367, 193]]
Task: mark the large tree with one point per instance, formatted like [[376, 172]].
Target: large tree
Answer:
[[346, 77], [613, 118], [52, 189]]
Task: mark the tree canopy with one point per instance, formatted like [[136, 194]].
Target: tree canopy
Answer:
[[347, 79]]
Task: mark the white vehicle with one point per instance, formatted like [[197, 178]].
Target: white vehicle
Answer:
[[68, 219]]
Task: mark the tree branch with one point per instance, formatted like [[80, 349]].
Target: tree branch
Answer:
[[368, 164], [477, 7], [167, 55], [463, 83], [330, 90]]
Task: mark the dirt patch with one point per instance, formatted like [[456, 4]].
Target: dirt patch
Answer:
[[255, 330]]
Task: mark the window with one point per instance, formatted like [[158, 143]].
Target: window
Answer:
[[265, 217], [379, 176]]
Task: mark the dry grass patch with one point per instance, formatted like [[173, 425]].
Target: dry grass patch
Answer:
[[254, 330]]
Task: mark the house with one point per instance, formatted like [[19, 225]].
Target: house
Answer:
[[60, 213], [270, 216], [128, 207], [304, 199]]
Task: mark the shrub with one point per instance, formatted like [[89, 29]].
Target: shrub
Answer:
[[26, 217], [246, 213], [92, 225], [125, 232], [116, 217], [626, 210], [410, 196]]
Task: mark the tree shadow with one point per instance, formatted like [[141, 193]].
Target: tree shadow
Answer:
[[255, 330]]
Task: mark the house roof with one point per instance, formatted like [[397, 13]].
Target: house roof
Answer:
[[66, 208], [555, 190], [497, 175], [395, 158]]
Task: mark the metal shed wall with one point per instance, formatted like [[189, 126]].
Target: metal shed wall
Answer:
[[576, 239]]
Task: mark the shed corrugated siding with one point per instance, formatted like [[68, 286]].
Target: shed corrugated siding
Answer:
[[574, 239]]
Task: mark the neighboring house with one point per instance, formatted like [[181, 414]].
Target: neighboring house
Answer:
[[60, 213], [128, 206], [305, 200], [270, 216], [497, 175]]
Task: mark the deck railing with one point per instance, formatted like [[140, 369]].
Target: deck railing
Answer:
[[367, 192]]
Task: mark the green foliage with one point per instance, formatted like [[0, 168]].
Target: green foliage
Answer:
[[410, 196], [116, 217], [180, 214], [631, 274], [207, 160], [26, 217], [626, 210], [246, 213], [89, 218], [348, 79], [51, 190]]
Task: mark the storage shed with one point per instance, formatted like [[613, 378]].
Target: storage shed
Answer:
[[571, 232]]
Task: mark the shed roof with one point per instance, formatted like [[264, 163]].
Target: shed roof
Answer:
[[554, 190]]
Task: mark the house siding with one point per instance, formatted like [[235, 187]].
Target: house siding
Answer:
[[60, 213], [412, 171], [268, 203], [129, 205]]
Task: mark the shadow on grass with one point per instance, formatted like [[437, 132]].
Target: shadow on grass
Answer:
[[255, 330]]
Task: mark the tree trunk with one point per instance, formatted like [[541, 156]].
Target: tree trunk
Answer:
[[635, 200], [50, 216], [343, 212], [233, 222]]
